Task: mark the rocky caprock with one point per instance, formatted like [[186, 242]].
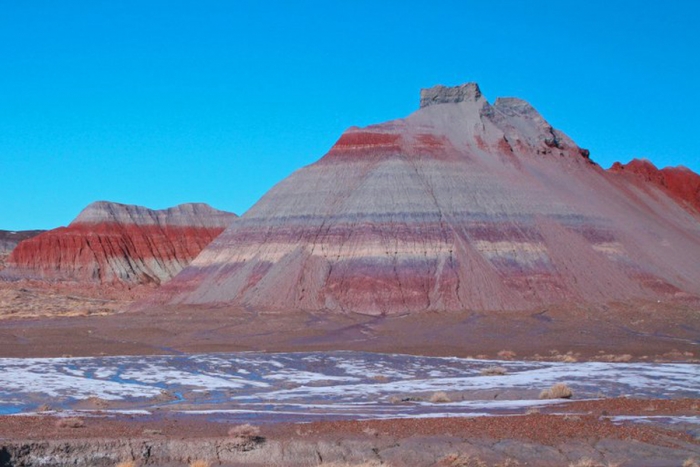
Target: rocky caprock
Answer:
[[463, 205]]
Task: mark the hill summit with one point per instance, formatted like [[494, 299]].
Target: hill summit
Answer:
[[462, 205]]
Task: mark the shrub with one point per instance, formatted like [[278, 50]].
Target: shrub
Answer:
[[70, 422], [200, 463], [494, 371], [459, 460], [568, 357], [97, 402], [506, 354], [347, 464], [126, 464], [246, 431], [615, 358], [558, 391], [587, 462], [440, 396]]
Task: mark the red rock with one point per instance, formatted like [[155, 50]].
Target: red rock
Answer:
[[680, 182], [110, 243], [10, 239], [463, 205]]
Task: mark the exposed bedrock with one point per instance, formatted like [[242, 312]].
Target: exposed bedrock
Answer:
[[680, 183], [10, 239], [463, 205], [110, 242], [415, 451]]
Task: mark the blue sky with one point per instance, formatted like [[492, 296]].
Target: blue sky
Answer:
[[158, 103]]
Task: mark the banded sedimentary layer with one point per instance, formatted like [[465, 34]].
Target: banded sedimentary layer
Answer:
[[10, 239], [463, 205], [118, 243]]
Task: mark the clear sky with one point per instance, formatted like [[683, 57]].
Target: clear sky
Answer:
[[158, 103]]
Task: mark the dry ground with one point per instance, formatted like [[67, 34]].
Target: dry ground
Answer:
[[56, 320], [579, 430]]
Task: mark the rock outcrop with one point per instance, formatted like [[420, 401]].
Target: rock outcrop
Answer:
[[10, 239], [118, 243], [463, 205], [680, 183]]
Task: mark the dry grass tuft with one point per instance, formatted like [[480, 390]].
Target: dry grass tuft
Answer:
[[506, 354], [439, 397], [568, 357], [246, 431], [458, 460], [70, 422], [558, 391], [97, 402], [494, 371], [691, 462], [126, 464], [200, 463], [509, 463], [615, 358], [347, 464], [370, 431], [588, 462]]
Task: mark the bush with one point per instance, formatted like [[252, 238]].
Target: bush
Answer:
[[587, 462], [494, 371], [506, 354], [347, 464], [615, 358], [458, 460], [246, 431], [439, 397], [558, 391], [70, 422]]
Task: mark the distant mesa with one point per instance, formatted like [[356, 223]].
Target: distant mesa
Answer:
[[462, 205], [119, 243]]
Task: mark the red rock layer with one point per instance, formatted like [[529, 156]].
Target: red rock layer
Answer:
[[116, 248], [10, 239], [680, 182]]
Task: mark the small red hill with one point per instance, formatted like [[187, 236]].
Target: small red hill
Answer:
[[118, 243], [680, 182]]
